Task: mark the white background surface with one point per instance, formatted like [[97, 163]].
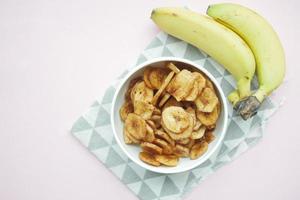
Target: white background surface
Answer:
[[57, 56]]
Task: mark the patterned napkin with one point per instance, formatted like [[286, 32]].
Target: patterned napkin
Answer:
[[93, 130]]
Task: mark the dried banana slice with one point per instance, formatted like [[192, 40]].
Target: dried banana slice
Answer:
[[130, 86], [193, 93], [181, 85], [199, 84], [208, 119], [162, 87], [163, 135], [156, 111], [176, 119], [190, 144], [146, 74], [136, 126], [197, 125], [167, 148], [201, 80], [149, 159], [207, 100], [185, 134], [173, 67], [143, 109], [181, 151], [192, 112], [183, 141], [168, 160], [157, 120], [157, 76], [209, 136], [128, 138], [151, 148], [198, 149], [151, 124], [164, 99], [199, 133], [210, 85], [172, 102], [140, 92], [149, 134], [125, 109]]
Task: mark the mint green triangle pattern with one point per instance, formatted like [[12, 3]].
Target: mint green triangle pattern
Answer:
[[93, 130]]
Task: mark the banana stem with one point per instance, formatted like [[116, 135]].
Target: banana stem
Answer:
[[249, 106]]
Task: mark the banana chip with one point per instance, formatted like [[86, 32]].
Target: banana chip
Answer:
[[202, 82], [181, 151], [146, 74], [175, 119], [143, 109], [210, 85], [125, 109], [163, 87], [198, 149], [157, 76], [164, 99], [208, 119], [151, 124], [129, 139], [157, 120], [181, 85], [207, 100], [168, 160], [151, 148], [130, 86], [199, 84], [149, 159], [140, 92], [199, 133], [190, 144], [173, 67], [150, 137], [172, 102], [136, 126], [192, 112], [185, 134], [197, 125], [163, 135], [156, 111], [209, 136], [183, 141], [167, 148]]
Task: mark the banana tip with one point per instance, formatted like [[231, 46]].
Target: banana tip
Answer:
[[208, 8], [152, 12]]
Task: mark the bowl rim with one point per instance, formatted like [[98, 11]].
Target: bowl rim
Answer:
[[221, 94]]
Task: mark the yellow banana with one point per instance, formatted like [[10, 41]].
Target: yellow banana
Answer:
[[265, 45], [215, 39]]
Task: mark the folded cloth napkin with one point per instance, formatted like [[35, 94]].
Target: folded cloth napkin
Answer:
[[93, 130]]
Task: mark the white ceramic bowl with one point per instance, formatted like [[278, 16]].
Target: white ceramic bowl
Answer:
[[132, 151]]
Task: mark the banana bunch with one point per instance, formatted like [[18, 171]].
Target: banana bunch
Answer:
[[265, 45], [239, 39]]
